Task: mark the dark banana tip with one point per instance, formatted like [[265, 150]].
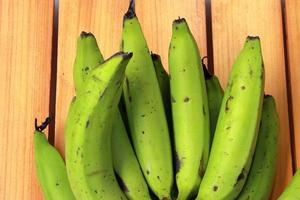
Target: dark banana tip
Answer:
[[267, 96], [43, 125], [120, 53], [84, 34], [127, 55], [155, 56], [179, 20], [253, 38], [207, 75], [131, 10]]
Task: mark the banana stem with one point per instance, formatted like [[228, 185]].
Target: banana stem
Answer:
[[43, 125]]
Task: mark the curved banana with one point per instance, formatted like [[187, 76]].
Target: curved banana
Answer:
[[50, 167], [145, 110], [237, 127], [124, 160], [215, 96], [125, 163], [292, 192], [189, 110], [88, 57], [88, 132], [261, 175]]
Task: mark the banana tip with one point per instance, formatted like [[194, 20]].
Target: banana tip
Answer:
[[155, 56], [179, 20], [84, 34], [131, 10], [267, 96], [253, 38], [127, 55]]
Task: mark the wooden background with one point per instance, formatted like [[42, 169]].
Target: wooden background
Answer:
[[37, 49]]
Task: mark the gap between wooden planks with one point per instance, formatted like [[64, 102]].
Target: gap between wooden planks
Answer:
[[292, 22], [232, 21], [25, 55]]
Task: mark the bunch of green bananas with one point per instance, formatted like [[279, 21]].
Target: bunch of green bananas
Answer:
[[135, 132]]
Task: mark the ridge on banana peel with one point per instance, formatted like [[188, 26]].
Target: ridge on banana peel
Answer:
[[237, 127], [214, 95], [190, 111], [144, 106], [50, 167], [88, 132]]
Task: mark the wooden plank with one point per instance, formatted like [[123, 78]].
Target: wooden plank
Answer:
[[232, 21], [25, 54], [292, 19], [104, 19]]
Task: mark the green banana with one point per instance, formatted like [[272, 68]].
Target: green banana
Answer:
[[125, 163], [88, 57], [50, 167], [122, 152], [145, 110], [164, 83], [88, 132], [189, 110], [259, 182], [292, 192], [237, 127], [215, 95]]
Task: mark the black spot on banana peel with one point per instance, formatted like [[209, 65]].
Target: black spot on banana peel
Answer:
[[215, 188], [186, 99], [87, 124], [227, 103]]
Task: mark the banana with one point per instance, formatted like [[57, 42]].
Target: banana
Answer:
[[237, 127], [125, 163], [259, 182], [164, 83], [189, 110], [145, 110], [88, 57], [215, 95], [50, 167], [124, 160], [292, 192], [88, 132]]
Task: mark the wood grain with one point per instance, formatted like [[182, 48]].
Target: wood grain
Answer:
[[25, 55], [104, 19], [232, 21], [292, 17]]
